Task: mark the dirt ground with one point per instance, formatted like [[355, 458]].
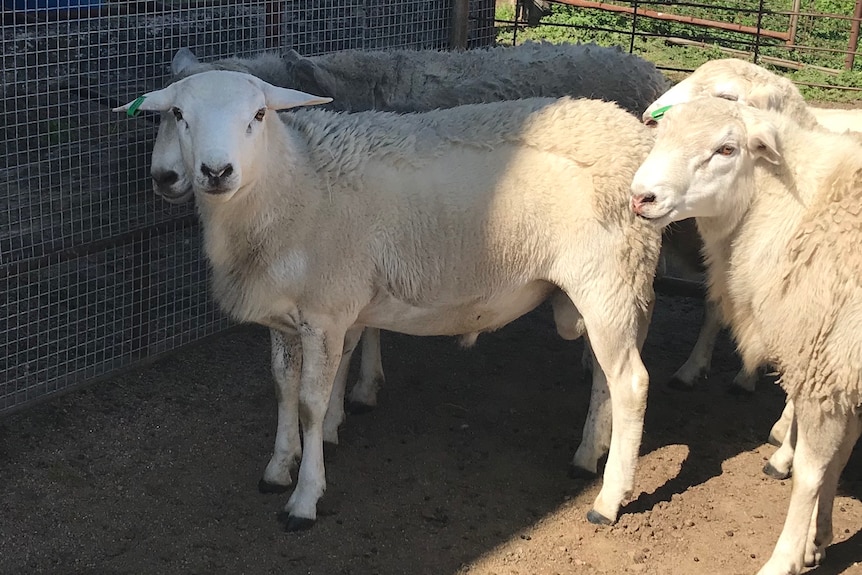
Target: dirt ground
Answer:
[[461, 468]]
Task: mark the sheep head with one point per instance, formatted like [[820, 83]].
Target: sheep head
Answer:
[[739, 81], [703, 160], [221, 118]]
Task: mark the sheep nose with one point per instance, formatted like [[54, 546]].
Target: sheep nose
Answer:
[[216, 174], [640, 200], [165, 178]]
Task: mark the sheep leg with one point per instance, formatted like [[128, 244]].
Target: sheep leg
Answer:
[[286, 362], [363, 396], [821, 439], [618, 357], [820, 534], [335, 412], [780, 427], [322, 344], [780, 463], [697, 366]]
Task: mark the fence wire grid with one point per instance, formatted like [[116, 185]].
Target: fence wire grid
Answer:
[[96, 272]]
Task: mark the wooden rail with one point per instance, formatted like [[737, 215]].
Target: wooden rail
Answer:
[[677, 18]]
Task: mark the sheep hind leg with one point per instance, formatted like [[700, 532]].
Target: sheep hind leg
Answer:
[[363, 396], [618, 358], [820, 445], [335, 412], [780, 463], [322, 344], [697, 366], [286, 362]]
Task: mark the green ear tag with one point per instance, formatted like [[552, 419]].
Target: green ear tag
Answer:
[[658, 113], [133, 109]]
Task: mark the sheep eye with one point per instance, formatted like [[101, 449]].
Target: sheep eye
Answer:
[[731, 97], [725, 150], [260, 114], [177, 113]]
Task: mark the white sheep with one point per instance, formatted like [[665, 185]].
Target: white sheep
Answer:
[[412, 81], [750, 84], [779, 208], [318, 223]]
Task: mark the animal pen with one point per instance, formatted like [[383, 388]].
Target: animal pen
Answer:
[[98, 273]]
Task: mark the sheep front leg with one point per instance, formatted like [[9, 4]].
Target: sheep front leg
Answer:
[[820, 534], [820, 445], [616, 346], [335, 411], [363, 396], [286, 362], [780, 463], [322, 344], [780, 427], [596, 437]]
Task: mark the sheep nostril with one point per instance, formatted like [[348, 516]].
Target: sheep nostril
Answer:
[[647, 198], [650, 122], [215, 174]]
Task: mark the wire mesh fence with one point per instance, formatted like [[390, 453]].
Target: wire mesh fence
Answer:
[[97, 273]]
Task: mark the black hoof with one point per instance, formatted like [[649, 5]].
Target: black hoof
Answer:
[[739, 391], [266, 487], [679, 385], [597, 518], [772, 440], [292, 523], [774, 473], [357, 408], [576, 472]]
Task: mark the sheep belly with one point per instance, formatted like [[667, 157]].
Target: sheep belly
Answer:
[[476, 314]]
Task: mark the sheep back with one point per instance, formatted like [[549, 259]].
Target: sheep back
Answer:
[[410, 80]]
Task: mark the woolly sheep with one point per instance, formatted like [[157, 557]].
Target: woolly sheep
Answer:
[[778, 207], [750, 84], [318, 223], [410, 81]]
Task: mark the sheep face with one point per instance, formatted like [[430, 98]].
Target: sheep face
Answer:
[[167, 171], [220, 122], [734, 80], [704, 154]]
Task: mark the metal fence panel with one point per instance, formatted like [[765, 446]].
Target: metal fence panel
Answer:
[[96, 273]]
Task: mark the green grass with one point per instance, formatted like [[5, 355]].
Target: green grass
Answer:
[[822, 32]]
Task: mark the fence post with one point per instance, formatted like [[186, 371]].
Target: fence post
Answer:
[[757, 36], [794, 22], [850, 59], [634, 26], [460, 17]]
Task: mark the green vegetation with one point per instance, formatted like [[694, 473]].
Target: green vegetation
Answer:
[[615, 29]]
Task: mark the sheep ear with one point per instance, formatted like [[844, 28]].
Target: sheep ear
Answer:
[[312, 77], [158, 101], [291, 56], [284, 98], [763, 98], [762, 142], [182, 60]]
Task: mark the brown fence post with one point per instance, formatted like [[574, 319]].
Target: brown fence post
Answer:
[[794, 22], [460, 17], [850, 59]]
